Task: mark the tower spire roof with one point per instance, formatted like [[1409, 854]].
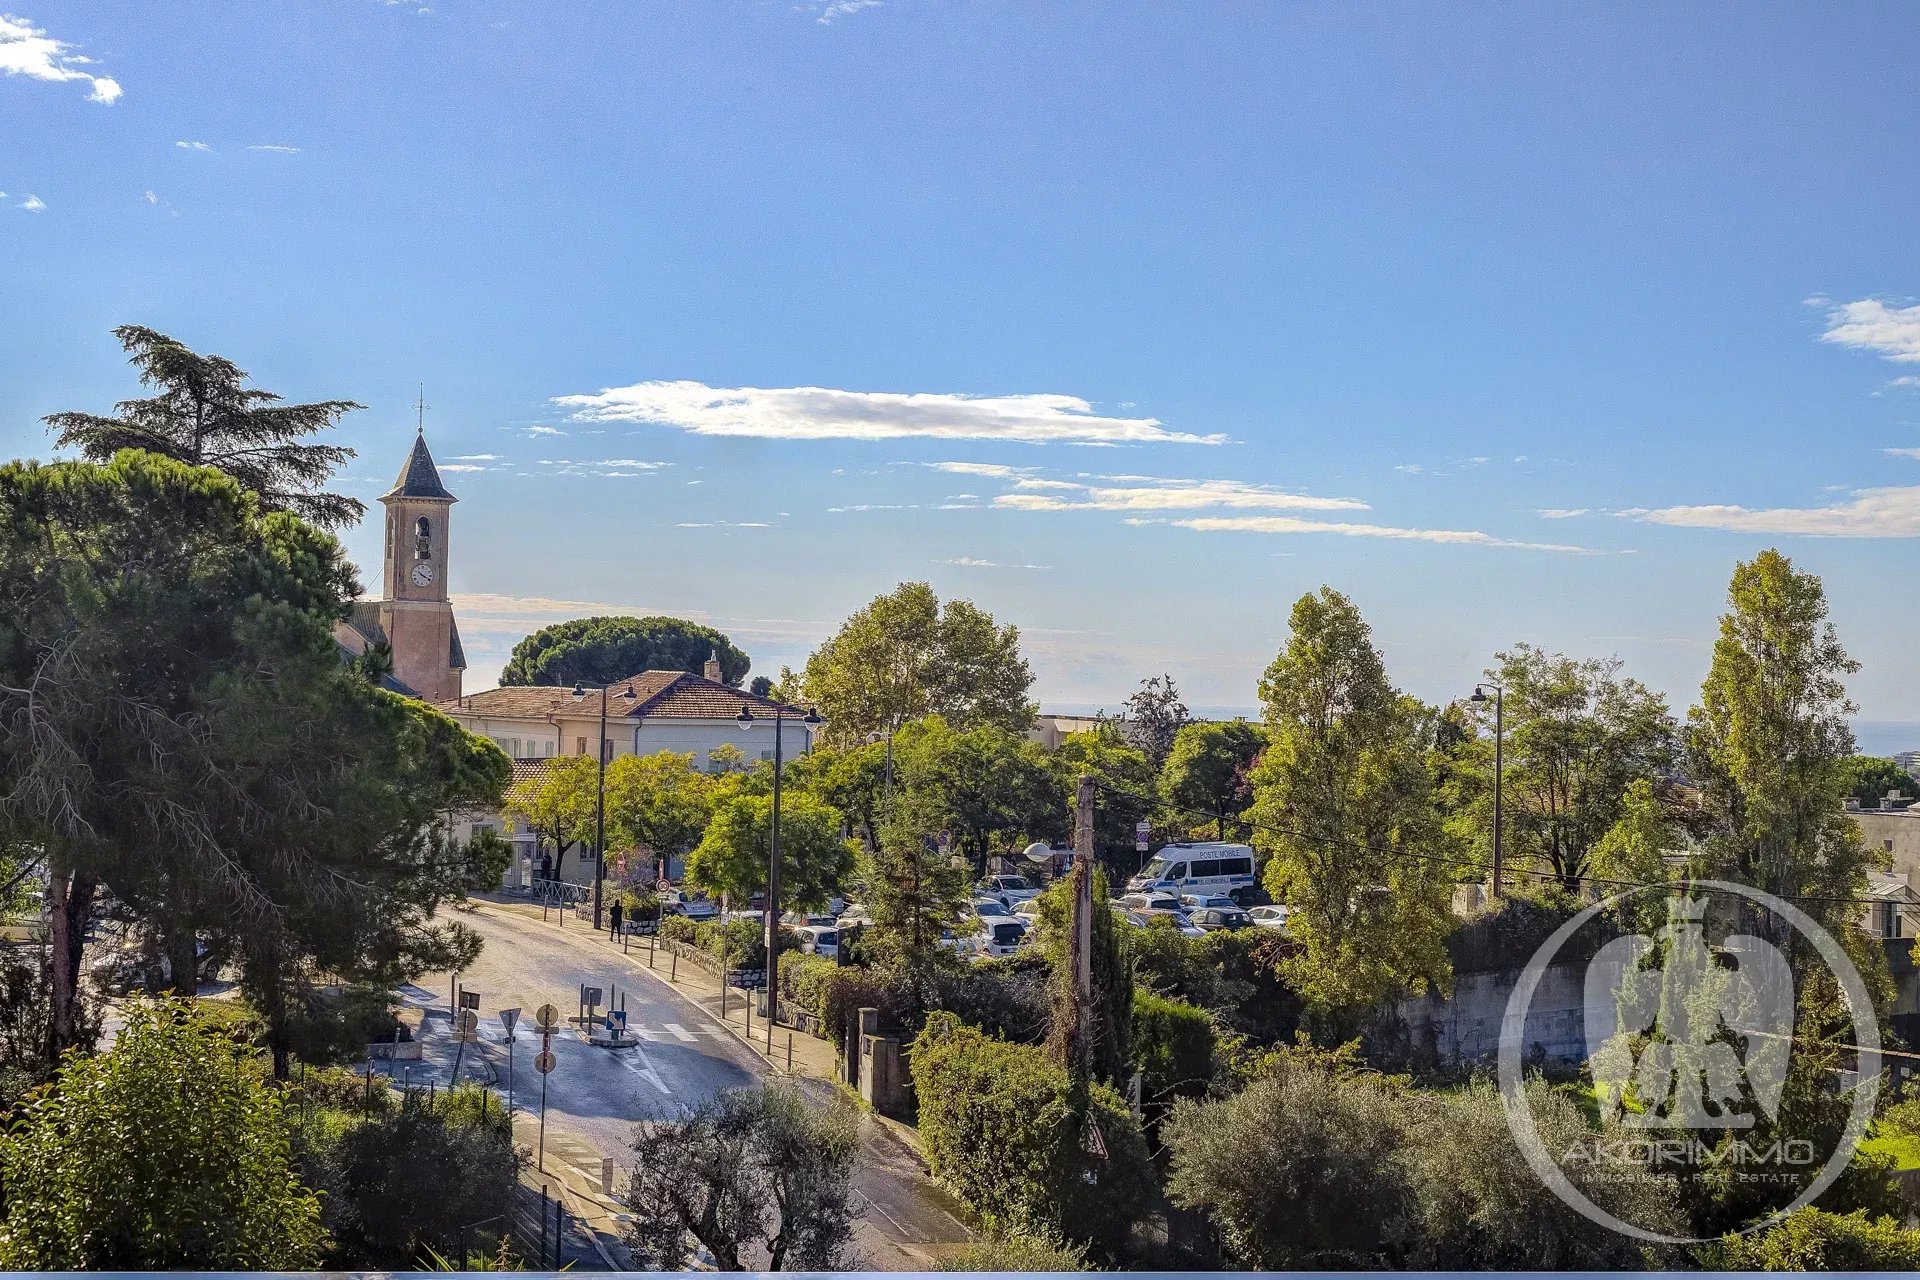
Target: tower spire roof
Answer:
[[419, 478]]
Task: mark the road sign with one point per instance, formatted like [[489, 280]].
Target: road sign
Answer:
[[508, 1017], [590, 997], [469, 1020], [469, 999], [547, 1018], [1141, 831], [543, 1061], [945, 840]]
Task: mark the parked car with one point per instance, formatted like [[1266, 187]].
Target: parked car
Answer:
[[1028, 913], [819, 940], [1212, 867], [695, 907], [1209, 919], [1147, 917], [1151, 902], [1269, 918], [991, 909], [998, 936], [1012, 890], [1201, 901]]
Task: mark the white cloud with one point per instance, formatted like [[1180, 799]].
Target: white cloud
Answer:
[[824, 413], [27, 50], [1036, 482], [1149, 493], [1872, 325], [874, 506], [33, 203], [151, 198], [1563, 513], [1410, 468], [193, 146], [276, 148], [723, 524], [1293, 524], [1891, 512], [843, 8], [476, 457], [1891, 453], [610, 468], [1906, 382], [539, 431], [993, 470], [465, 466], [970, 562]]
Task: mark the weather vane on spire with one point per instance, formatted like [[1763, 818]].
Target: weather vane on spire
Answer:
[[420, 407]]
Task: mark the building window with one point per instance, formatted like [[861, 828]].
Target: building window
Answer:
[[581, 748]]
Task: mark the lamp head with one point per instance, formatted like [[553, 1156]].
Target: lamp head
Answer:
[[579, 692], [745, 718], [1479, 694], [629, 694], [813, 717]]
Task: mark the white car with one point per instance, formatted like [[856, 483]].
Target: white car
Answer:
[[819, 940], [998, 936], [1028, 913], [1268, 917], [1012, 890], [1202, 901], [991, 909], [1150, 902], [693, 908]]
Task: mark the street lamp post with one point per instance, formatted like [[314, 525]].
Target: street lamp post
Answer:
[[772, 916], [600, 794], [1499, 698]]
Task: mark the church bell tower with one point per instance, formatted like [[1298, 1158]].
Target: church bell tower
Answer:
[[415, 611]]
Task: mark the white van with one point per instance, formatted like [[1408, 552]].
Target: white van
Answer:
[[1212, 867]]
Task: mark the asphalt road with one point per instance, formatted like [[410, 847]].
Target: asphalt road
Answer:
[[597, 1094]]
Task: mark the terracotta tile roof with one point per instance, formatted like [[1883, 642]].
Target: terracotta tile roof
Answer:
[[526, 770], [674, 694]]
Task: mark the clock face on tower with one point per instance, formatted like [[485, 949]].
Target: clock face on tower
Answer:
[[423, 575]]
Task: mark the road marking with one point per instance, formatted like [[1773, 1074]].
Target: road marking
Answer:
[[641, 1065], [680, 1033], [874, 1205]]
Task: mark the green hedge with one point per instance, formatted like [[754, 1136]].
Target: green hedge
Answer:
[[998, 1127], [1815, 1240], [1173, 1042]]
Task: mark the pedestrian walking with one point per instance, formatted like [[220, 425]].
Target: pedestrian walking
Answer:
[[615, 915]]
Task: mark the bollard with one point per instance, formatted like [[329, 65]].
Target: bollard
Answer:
[[543, 1222], [559, 1229], [650, 949], [789, 1053], [749, 1016]]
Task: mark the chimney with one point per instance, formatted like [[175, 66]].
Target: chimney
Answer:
[[712, 670]]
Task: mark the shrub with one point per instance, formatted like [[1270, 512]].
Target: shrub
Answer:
[[338, 1089], [1815, 1240], [1173, 1043], [999, 1127], [1284, 1167], [1000, 1251], [1481, 1207], [401, 1185], [679, 929], [167, 1151], [804, 982]]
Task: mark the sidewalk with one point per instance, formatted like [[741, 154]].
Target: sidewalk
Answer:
[[791, 1052]]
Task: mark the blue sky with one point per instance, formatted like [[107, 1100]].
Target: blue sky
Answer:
[[1209, 304]]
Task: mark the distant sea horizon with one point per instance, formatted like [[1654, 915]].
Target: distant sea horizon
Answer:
[[1873, 737]]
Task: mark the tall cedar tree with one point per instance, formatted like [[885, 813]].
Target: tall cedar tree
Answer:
[[206, 415]]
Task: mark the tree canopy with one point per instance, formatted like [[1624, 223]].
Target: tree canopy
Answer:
[[1207, 776], [732, 855], [603, 651], [1577, 733], [206, 415], [177, 724], [1345, 812], [906, 655], [1871, 778]]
